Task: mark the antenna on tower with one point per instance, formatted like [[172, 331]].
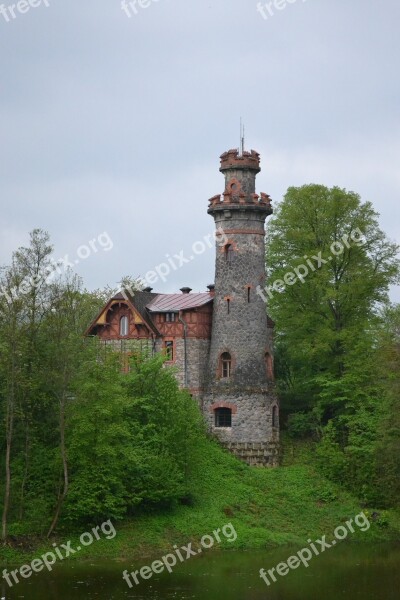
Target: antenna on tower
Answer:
[[241, 147]]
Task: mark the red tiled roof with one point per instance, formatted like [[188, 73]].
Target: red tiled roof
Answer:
[[175, 302]]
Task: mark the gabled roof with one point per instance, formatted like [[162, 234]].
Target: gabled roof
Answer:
[[176, 302], [137, 305], [146, 303], [140, 300]]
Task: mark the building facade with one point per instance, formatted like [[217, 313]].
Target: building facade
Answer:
[[221, 340]]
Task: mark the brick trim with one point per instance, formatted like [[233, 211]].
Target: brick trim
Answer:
[[229, 243], [216, 405], [252, 231]]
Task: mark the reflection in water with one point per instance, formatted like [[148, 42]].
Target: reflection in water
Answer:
[[348, 572]]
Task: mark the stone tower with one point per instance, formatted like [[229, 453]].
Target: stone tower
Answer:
[[239, 401]]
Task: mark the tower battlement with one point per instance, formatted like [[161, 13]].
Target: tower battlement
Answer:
[[233, 159], [230, 197], [240, 170]]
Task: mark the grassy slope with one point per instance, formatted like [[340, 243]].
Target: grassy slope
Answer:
[[267, 507]]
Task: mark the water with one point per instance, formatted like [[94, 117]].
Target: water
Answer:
[[346, 572]]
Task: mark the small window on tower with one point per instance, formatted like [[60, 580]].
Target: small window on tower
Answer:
[[226, 365], [223, 417], [169, 350], [275, 417], [170, 317], [124, 326], [229, 252], [269, 366]]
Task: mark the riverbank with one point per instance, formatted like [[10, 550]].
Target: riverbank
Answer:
[[267, 508]]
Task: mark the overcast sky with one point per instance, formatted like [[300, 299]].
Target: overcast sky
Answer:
[[115, 124]]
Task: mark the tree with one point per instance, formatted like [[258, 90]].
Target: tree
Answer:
[[42, 319], [98, 439], [22, 306], [332, 267], [10, 366], [66, 349], [387, 450], [137, 428], [329, 268]]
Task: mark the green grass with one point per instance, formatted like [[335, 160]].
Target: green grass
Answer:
[[267, 507]]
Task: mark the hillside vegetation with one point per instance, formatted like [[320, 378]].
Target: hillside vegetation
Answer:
[[267, 507]]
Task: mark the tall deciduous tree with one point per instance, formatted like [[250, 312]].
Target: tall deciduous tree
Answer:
[[23, 306], [342, 265], [70, 311], [333, 266], [10, 368], [387, 451]]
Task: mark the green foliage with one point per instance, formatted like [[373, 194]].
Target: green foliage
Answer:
[[267, 507], [387, 449], [98, 441], [322, 317], [337, 367], [132, 438], [86, 441], [302, 424]]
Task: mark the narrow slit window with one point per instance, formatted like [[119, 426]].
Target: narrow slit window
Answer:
[[248, 295], [229, 253], [228, 306], [169, 350], [269, 366], [275, 417]]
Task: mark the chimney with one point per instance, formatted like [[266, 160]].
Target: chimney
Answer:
[[211, 287], [186, 290]]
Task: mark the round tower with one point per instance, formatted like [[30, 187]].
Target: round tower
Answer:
[[239, 403]]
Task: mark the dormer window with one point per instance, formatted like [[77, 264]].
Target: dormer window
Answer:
[[124, 326]]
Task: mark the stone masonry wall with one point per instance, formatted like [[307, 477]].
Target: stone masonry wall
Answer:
[[263, 454], [244, 331], [197, 351], [251, 416]]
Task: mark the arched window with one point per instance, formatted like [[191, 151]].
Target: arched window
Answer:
[[226, 365], [269, 366], [123, 326], [223, 417], [229, 253], [275, 416]]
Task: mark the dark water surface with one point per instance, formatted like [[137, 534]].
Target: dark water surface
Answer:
[[348, 572]]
